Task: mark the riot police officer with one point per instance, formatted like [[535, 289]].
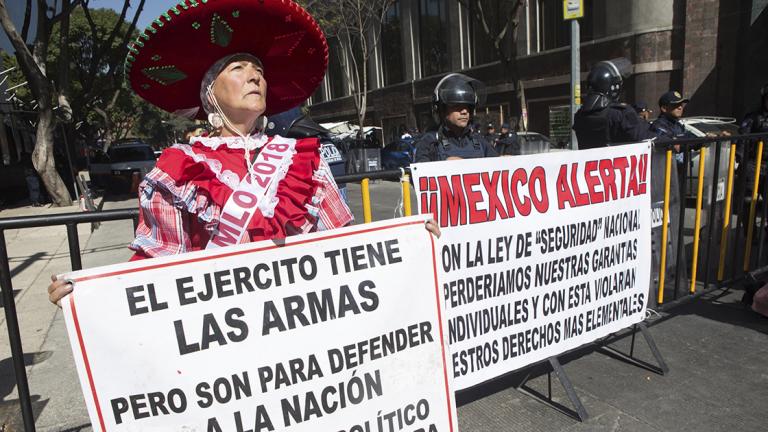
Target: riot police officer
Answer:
[[508, 143], [641, 108], [490, 134], [667, 126], [294, 124], [453, 105], [602, 120], [757, 121]]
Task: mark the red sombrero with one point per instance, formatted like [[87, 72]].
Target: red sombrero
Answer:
[[168, 60]]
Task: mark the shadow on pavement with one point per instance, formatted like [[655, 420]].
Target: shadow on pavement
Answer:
[[726, 307], [10, 411], [7, 376], [28, 261]]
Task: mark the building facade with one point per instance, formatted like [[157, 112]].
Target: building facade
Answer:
[[714, 51]]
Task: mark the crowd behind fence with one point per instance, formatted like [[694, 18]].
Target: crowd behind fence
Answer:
[[729, 197]]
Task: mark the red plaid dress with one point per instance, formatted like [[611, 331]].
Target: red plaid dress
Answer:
[[181, 199]]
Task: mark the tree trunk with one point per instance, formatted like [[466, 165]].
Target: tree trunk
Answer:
[[33, 67], [43, 161]]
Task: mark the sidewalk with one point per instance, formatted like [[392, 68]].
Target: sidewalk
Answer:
[[715, 348]]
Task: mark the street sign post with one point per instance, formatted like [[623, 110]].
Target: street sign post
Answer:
[[573, 10]]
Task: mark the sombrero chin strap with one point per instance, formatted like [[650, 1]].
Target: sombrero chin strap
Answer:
[[246, 137]]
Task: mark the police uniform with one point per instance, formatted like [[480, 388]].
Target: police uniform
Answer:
[[755, 122], [614, 124], [508, 144], [667, 127], [441, 144]]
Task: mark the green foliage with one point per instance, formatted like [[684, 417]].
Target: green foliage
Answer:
[[103, 105], [15, 77]]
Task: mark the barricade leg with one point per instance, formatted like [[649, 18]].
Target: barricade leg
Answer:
[[579, 412], [680, 255], [654, 349], [569, 390], [14, 338], [405, 181], [697, 223], [753, 207], [763, 224], [366, 192], [664, 228], [712, 211], [740, 212], [726, 215], [662, 367]]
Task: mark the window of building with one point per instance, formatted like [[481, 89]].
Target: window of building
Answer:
[[553, 31], [433, 29], [392, 46], [483, 50], [336, 69]]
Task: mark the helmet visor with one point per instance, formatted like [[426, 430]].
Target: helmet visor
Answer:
[[459, 89], [621, 66]]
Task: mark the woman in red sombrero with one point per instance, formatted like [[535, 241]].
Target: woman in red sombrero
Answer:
[[232, 62]]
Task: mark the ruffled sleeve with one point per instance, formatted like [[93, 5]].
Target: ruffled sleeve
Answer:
[[173, 218]]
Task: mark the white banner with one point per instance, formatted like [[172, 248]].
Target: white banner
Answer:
[[334, 331], [540, 254]]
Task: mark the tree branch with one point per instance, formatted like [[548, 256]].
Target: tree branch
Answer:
[[108, 44], [122, 49], [64, 11], [27, 17], [26, 59]]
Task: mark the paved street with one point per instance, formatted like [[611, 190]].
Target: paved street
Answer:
[[715, 348]]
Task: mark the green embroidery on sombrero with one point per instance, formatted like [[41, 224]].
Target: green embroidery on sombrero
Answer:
[[235, 13], [221, 32], [158, 22], [167, 16], [165, 75], [195, 25], [133, 49], [176, 10], [144, 35], [156, 57], [194, 3], [145, 86], [183, 3]]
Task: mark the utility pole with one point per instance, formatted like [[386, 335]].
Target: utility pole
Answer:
[[572, 11]]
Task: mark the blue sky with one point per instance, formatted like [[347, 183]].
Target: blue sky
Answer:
[[152, 9]]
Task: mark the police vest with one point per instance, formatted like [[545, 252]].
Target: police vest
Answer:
[[592, 129], [447, 147]]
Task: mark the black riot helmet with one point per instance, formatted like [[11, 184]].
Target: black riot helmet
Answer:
[[605, 82], [457, 89], [294, 124]]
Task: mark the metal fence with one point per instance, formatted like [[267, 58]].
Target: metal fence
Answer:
[[711, 196], [71, 220], [719, 194]]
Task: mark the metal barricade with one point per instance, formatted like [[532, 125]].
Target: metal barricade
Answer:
[[731, 214], [72, 220], [746, 150]]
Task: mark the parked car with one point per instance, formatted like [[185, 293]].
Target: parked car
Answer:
[[701, 127], [114, 170], [530, 143]]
